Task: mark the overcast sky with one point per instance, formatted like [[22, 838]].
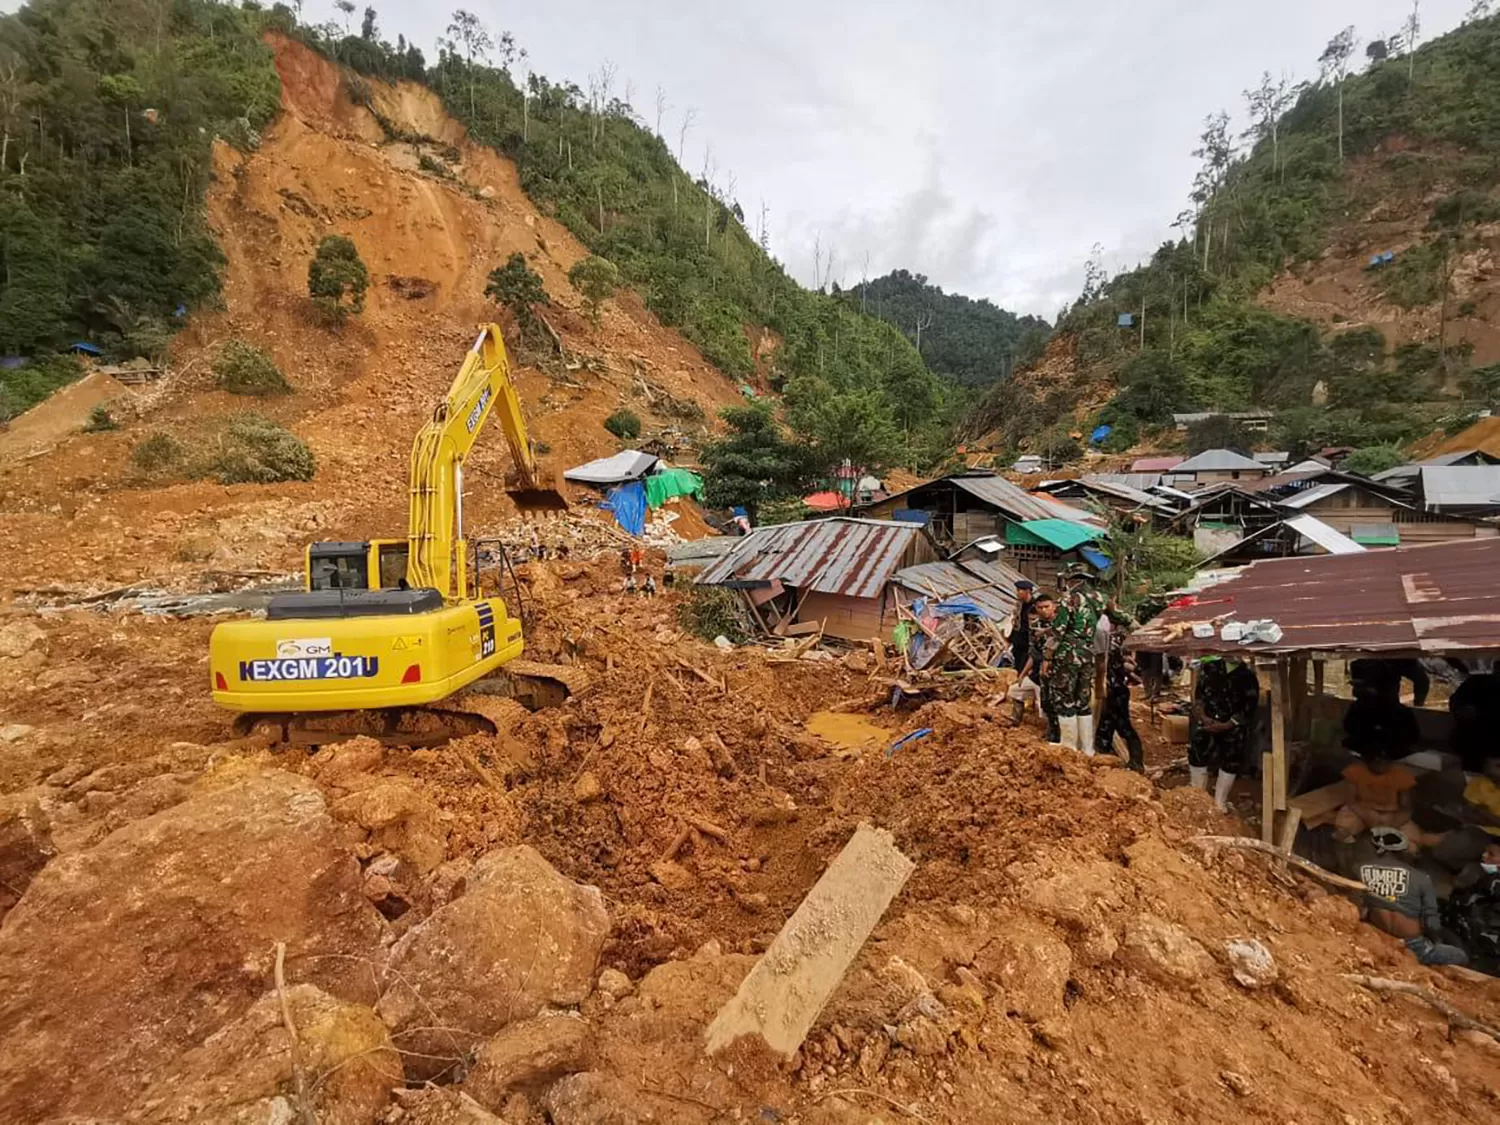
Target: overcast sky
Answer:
[[986, 143]]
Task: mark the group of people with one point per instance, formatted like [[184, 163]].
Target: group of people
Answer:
[[1059, 645]]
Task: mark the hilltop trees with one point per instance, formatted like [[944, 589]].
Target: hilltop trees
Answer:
[[337, 278], [1334, 62]]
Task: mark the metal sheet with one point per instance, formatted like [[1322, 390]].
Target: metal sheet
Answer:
[[1219, 461], [992, 586], [1461, 486], [627, 465], [852, 557], [1330, 539], [1440, 598], [1015, 501]]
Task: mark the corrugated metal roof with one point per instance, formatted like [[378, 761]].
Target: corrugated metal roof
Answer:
[[992, 586], [1139, 481], [1272, 458], [852, 557], [1332, 540], [700, 552], [1124, 491], [1313, 495], [1061, 534], [1219, 461], [1440, 598], [1155, 464], [1015, 501], [1461, 486]]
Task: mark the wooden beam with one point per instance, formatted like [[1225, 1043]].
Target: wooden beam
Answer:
[[1267, 799], [1278, 734], [1317, 679]]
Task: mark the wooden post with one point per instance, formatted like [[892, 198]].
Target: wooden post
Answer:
[[1317, 679], [1301, 715], [1278, 734]]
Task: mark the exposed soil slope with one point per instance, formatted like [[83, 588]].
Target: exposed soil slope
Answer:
[[361, 392]]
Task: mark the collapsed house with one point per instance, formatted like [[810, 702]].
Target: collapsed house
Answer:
[[854, 579]]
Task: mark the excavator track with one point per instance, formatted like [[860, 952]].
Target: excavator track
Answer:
[[487, 706]]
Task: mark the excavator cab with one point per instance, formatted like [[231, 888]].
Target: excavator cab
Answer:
[[379, 564]]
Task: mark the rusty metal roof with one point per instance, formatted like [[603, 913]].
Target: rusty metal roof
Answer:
[[1435, 599], [990, 585], [853, 557], [1015, 501]]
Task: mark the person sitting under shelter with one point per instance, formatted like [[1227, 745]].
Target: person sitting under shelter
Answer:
[[1382, 795], [1400, 899]]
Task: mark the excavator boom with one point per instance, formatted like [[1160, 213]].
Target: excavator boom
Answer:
[[482, 386]]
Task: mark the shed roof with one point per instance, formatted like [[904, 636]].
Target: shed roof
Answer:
[[853, 557], [1015, 501], [1461, 486], [1118, 489], [1433, 599], [1308, 496], [1219, 461], [1155, 464]]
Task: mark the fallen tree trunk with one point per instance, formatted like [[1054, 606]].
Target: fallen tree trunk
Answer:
[[1454, 1017], [1247, 843]]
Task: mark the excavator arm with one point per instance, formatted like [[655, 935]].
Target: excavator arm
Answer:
[[438, 554]]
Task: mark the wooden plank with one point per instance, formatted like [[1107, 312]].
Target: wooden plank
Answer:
[[782, 995], [802, 629], [1279, 689], [1292, 822], [1267, 800]]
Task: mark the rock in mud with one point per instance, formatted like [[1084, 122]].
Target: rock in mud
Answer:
[[528, 1054], [437, 1105], [399, 820], [121, 957], [1251, 963], [519, 939], [594, 1098], [25, 846], [1164, 951], [1029, 965], [243, 1073], [616, 984], [20, 638]]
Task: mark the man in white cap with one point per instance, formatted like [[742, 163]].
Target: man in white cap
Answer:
[[1401, 900]]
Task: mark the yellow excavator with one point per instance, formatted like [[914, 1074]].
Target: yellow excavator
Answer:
[[387, 633]]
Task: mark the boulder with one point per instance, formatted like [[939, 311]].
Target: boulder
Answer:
[[25, 846], [21, 637], [594, 1098], [615, 984], [243, 1074], [399, 820], [520, 938], [1164, 951], [530, 1054], [120, 957]]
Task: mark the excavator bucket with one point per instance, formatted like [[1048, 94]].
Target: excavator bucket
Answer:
[[539, 494]]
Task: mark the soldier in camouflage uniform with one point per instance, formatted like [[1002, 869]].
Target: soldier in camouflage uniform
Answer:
[[1114, 717], [1070, 657], [1043, 613]]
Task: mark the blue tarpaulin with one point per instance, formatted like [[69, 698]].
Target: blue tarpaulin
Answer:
[[1100, 433], [628, 503], [83, 347], [1095, 558], [1126, 320], [911, 515]]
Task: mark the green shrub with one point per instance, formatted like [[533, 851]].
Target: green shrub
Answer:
[[100, 421], [157, 452], [255, 450], [244, 369], [625, 424], [23, 387], [337, 278], [710, 611], [1372, 459], [596, 280], [518, 287]]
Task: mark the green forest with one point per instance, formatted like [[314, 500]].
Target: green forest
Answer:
[[1197, 340], [975, 343], [107, 113]]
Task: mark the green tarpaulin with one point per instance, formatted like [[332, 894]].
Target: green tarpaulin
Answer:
[[663, 486], [1061, 534]]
